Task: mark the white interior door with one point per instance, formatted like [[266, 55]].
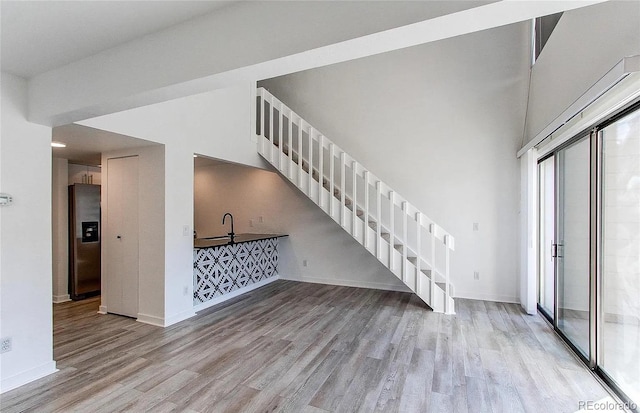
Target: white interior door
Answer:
[[121, 236]]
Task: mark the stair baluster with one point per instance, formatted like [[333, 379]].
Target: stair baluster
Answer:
[[354, 200], [310, 161], [290, 147], [271, 148], [300, 127], [379, 220], [418, 251], [433, 260], [404, 237], [320, 169], [392, 229], [332, 179], [280, 134], [365, 221], [343, 203], [262, 104]]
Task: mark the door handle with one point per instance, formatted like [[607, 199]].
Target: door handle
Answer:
[[560, 251], [556, 250]]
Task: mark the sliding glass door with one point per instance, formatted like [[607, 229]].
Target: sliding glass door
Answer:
[[589, 248]]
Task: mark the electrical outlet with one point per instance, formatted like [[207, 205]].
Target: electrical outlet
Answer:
[[185, 290], [185, 230], [251, 223], [260, 219], [5, 345], [476, 226], [305, 263], [476, 275]]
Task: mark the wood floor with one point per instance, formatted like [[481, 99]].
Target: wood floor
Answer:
[[296, 347]]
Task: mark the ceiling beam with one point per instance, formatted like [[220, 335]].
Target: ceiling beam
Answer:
[[135, 74]]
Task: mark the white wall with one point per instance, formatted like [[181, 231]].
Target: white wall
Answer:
[[440, 123], [216, 124], [151, 214], [332, 255], [60, 229], [585, 45], [25, 239]]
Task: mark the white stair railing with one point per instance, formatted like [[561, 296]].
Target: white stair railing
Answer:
[[405, 240]]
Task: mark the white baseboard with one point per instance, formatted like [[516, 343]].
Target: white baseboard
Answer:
[[57, 299], [350, 283], [150, 319], [102, 309], [487, 297], [240, 291], [28, 376], [178, 317]]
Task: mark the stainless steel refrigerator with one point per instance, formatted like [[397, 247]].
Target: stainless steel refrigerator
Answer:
[[84, 240]]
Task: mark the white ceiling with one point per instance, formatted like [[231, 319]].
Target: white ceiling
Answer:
[[41, 35], [85, 145], [38, 36]]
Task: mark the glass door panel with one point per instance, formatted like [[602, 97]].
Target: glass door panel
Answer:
[[573, 243], [546, 220], [619, 354]]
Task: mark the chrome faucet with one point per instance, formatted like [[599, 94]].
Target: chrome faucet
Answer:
[[231, 234]]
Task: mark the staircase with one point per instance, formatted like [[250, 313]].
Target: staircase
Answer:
[[407, 242]]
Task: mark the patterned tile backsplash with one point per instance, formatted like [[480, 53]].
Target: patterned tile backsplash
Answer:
[[223, 269]]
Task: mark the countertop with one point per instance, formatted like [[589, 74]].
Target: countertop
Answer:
[[225, 240]]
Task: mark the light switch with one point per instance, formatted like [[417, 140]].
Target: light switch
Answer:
[[6, 199]]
